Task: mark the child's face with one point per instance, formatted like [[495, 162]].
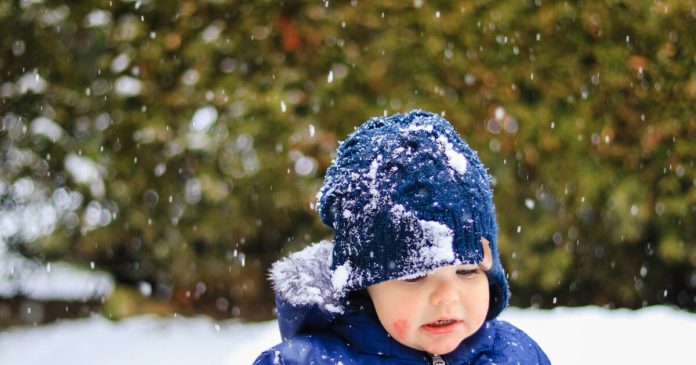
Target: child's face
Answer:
[[435, 312]]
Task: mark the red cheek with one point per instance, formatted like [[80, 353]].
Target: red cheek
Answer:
[[400, 326]]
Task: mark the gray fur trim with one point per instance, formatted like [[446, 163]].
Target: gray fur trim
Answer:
[[304, 278]]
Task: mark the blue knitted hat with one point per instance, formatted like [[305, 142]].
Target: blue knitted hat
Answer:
[[406, 195]]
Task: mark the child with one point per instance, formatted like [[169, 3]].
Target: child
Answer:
[[413, 274]]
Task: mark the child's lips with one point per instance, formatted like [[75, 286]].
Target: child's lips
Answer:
[[442, 326]]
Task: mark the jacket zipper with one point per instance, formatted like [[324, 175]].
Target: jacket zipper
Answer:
[[438, 360]]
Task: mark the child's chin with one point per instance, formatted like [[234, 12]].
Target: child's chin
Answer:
[[442, 347]]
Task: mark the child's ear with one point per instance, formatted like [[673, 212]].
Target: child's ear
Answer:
[[487, 262]]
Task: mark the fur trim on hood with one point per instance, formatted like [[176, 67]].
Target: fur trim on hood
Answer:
[[303, 279], [306, 301]]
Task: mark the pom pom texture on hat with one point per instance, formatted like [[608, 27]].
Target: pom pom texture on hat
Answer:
[[406, 195]]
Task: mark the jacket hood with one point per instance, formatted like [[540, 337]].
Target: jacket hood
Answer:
[[305, 298]]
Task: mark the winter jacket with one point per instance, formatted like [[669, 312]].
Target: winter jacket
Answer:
[[318, 329]]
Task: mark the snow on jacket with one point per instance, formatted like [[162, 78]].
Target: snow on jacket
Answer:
[[317, 328]]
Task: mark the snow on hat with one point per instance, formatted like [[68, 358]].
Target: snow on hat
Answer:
[[404, 196]]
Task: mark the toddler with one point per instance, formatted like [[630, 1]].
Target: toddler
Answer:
[[413, 274]]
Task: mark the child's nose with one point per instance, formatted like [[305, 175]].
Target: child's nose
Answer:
[[444, 293]]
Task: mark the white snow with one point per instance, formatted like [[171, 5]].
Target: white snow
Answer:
[[54, 281], [374, 165], [212, 33], [204, 118], [499, 113], [47, 127], [372, 184], [202, 122], [85, 171], [31, 81], [81, 169], [142, 340], [456, 160], [32, 216], [128, 86], [97, 18], [593, 335], [305, 165], [586, 335], [436, 245], [120, 63], [417, 127], [339, 278], [438, 241], [529, 203]]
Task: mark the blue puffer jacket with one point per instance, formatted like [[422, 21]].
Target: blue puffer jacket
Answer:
[[318, 329]]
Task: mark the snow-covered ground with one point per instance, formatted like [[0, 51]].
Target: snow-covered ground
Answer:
[[53, 281], [589, 335]]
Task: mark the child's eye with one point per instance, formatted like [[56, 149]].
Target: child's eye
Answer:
[[468, 272], [414, 279]]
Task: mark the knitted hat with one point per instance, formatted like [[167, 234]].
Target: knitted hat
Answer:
[[404, 196]]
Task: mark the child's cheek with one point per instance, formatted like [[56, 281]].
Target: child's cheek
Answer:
[[400, 327]]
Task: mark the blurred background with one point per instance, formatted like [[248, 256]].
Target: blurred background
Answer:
[[158, 156]]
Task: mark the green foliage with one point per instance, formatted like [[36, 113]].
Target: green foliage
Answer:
[[583, 112]]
